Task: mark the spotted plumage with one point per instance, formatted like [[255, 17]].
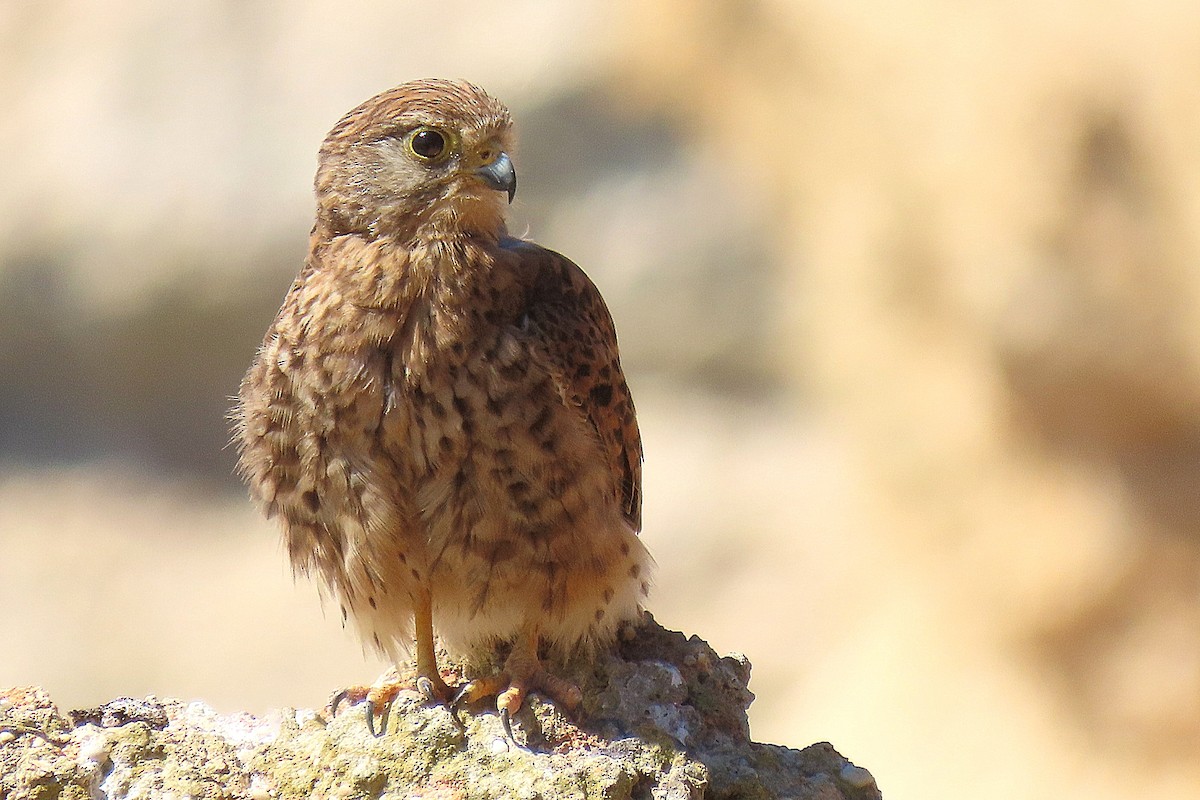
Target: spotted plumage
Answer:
[[437, 416]]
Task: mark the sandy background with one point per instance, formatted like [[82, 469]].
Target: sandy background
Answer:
[[907, 293]]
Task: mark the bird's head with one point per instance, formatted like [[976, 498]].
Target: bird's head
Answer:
[[429, 155]]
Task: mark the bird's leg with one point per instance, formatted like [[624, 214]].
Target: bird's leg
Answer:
[[382, 694], [429, 679], [522, 665], [523, 672]]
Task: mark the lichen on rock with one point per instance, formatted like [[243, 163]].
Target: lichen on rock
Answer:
[[663, 717]]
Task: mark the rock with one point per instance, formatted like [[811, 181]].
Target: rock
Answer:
[[663, 717]]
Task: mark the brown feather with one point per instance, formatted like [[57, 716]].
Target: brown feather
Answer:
[[438, 410], [578, 339]]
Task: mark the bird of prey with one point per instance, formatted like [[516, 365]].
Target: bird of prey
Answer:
[[437, 416]]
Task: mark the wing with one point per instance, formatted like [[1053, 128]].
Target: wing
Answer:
[[580, 345]]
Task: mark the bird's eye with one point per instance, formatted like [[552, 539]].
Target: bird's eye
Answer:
[[428, 144]]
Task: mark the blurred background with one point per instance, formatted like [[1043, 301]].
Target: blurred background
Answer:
[[907, 294]]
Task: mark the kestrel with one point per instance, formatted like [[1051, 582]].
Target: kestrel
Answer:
[[437, 415]]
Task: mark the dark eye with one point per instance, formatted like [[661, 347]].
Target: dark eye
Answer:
[[428, 144]]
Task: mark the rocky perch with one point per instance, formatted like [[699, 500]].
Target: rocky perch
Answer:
[[663, 717]]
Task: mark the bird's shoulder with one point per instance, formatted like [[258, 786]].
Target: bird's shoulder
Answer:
[[557, 290], [574, 334]]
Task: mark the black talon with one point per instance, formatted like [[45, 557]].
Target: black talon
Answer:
[[507, 721], [383, 718], [371, 718], [337, 701], [458, 697]]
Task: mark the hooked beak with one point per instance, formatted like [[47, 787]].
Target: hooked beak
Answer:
[[500, 175]]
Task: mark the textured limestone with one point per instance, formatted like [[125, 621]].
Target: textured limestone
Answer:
[[663, 717]]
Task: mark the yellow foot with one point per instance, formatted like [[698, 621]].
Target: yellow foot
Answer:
[[382, 694], [510, 691]]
